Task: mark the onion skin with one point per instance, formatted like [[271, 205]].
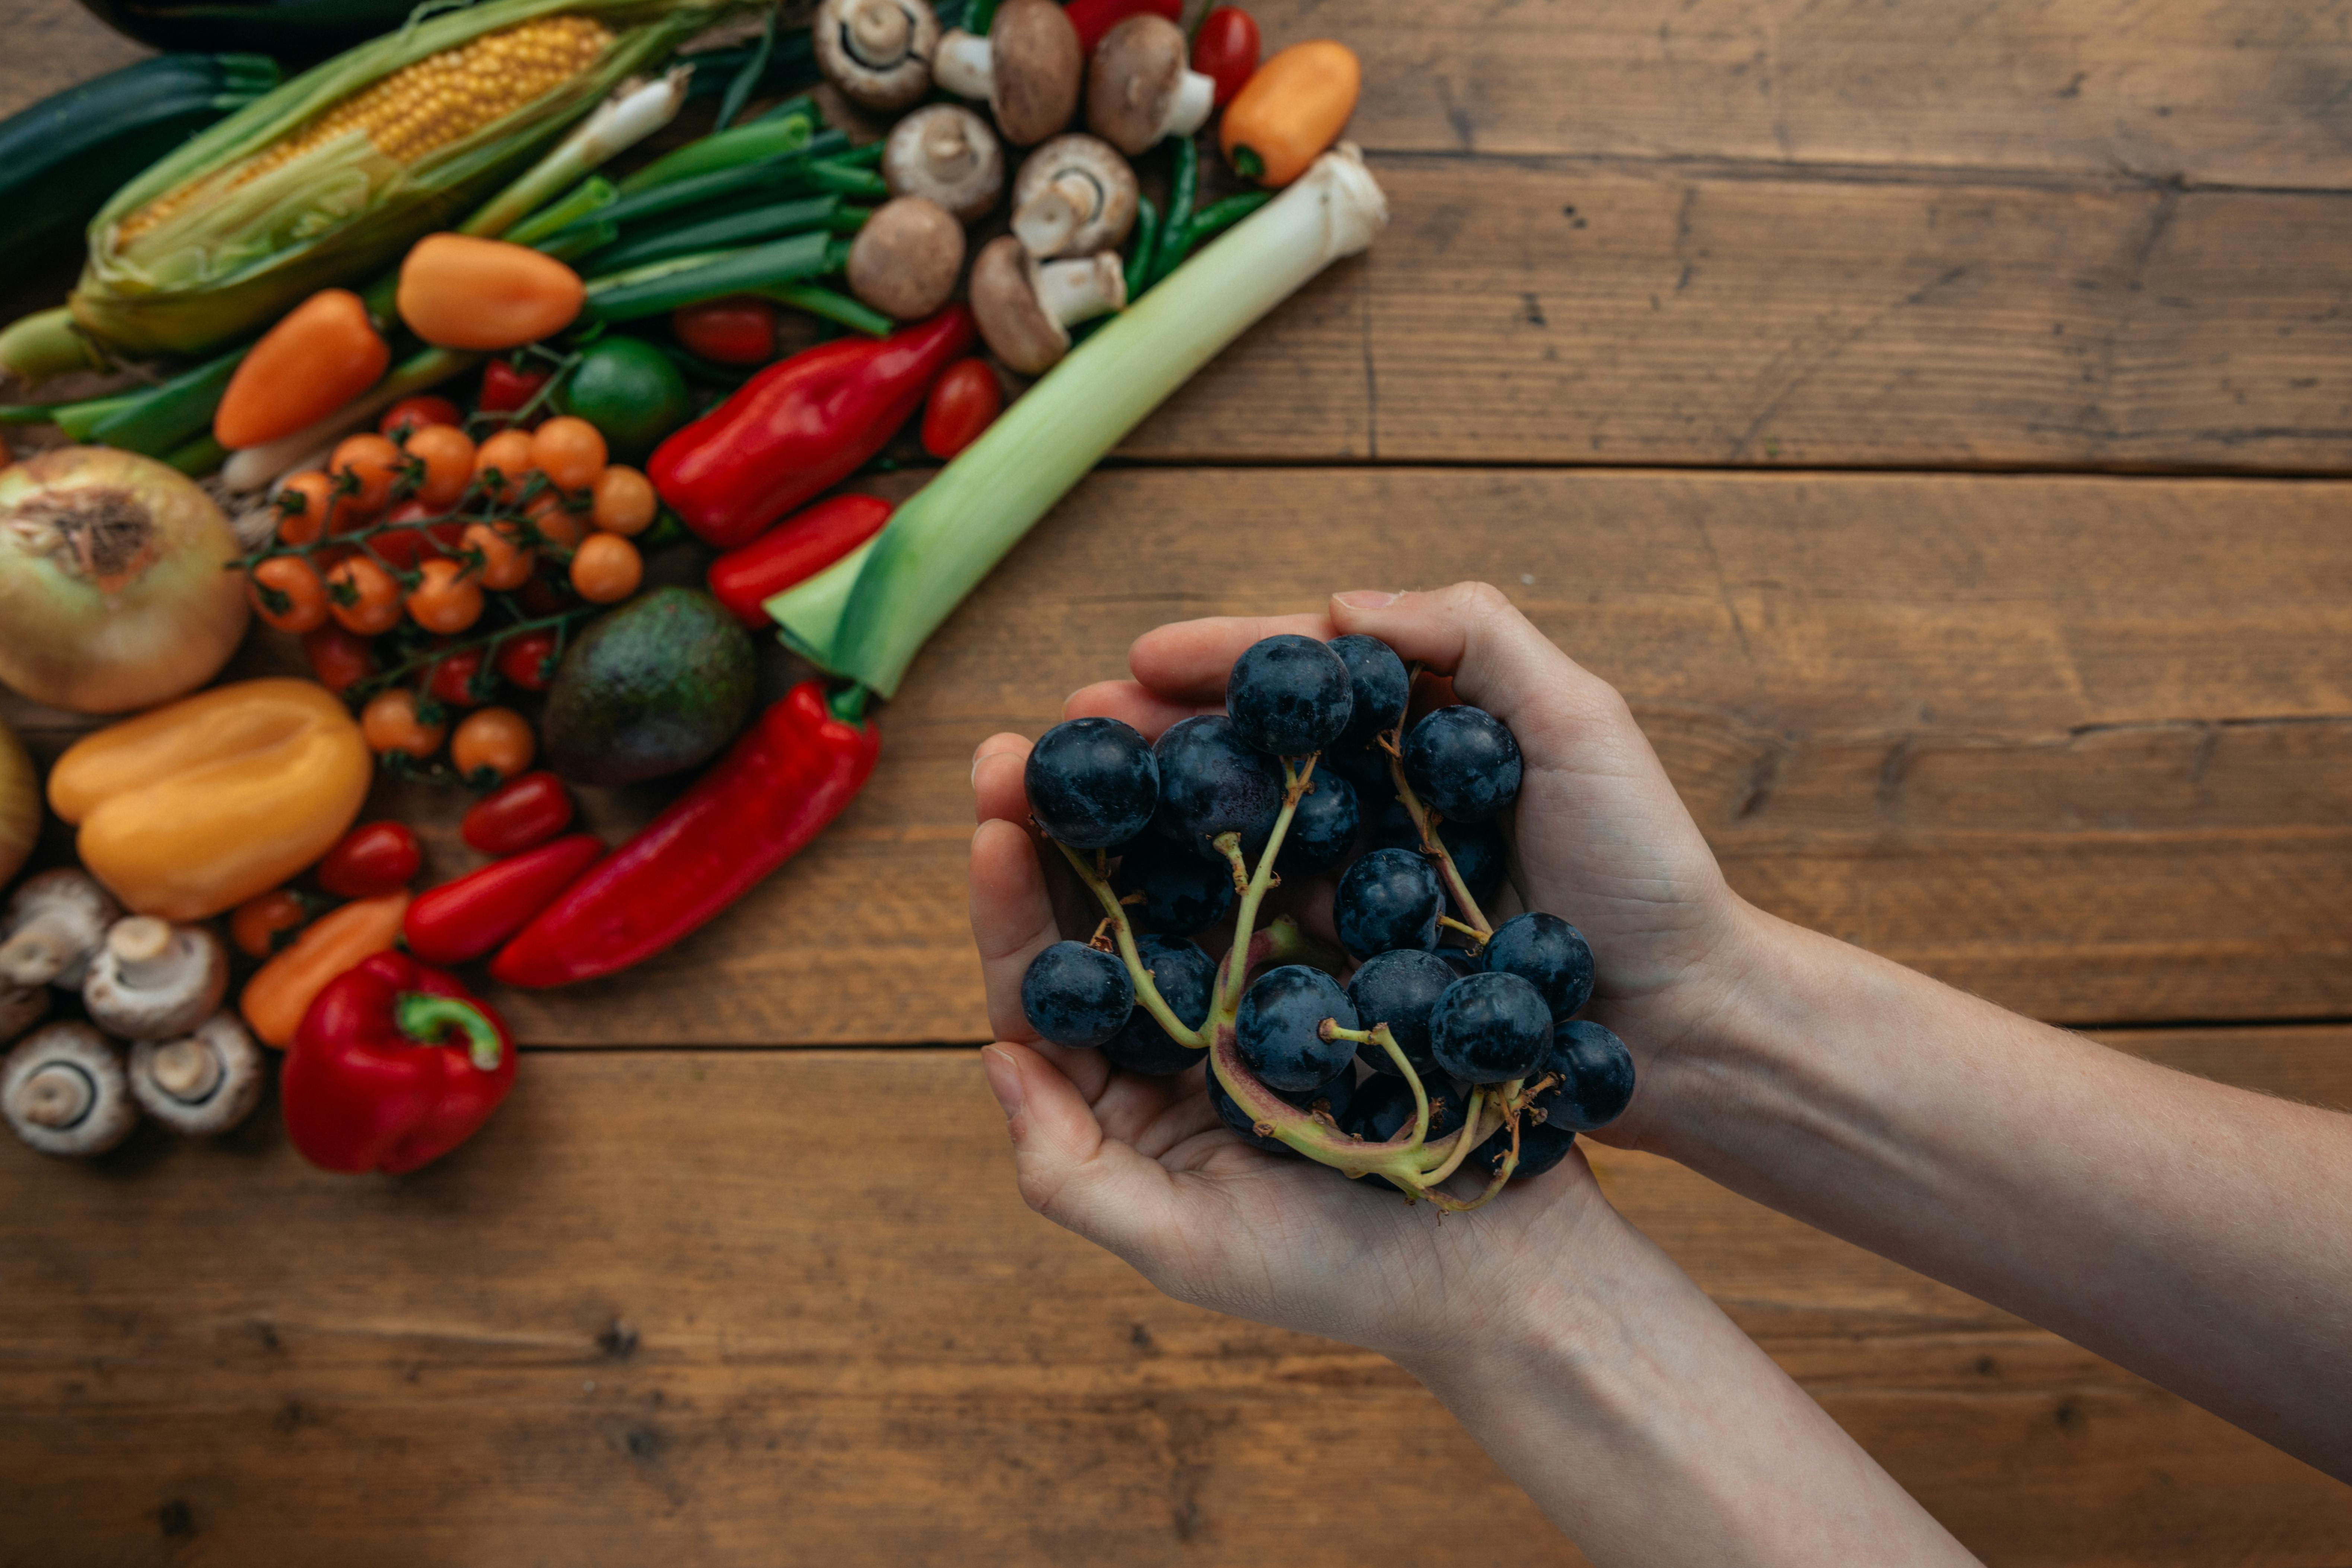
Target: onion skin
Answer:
[[20, 803], [113, 581]]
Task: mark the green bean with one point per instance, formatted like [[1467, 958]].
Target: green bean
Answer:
[[1219, 217], [1146, 244], [1176, 233], [821, 302]]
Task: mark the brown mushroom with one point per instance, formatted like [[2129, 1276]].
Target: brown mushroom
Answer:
[[877, 52], [1075, 196], [152, 980], [1024, 308], [905, 258], [63, 1090], [1028, 67], [202, 1083], [56, 921], [1138, 88], [947, 155], [21, 1007]]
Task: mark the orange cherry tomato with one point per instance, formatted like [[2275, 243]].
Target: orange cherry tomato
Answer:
[[268, 921], [410, 415], [492, 745], [394, 722], [505, 563], [447, 599], [336, 658], [373, 461], [606, 568], [557, 522], [509, 452], [441, 465], [965, 401], [625, 501], [287, 594], [303, 500], [363, 596], [569, 450]]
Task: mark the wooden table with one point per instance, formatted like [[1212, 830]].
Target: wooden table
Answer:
[[1926, 414]]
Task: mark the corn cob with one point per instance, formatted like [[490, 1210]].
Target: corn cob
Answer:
[[329, 179]]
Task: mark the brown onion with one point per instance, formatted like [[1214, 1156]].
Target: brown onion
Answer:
[[20, 806]]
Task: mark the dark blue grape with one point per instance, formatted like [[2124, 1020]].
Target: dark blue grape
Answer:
[[1398, 988], [1596, 1073], [1365, 767], [1322, 830], [1463, 761], [1389, 899], [1475, 847], [1335, 1098], [1489, 1028], [1541, 1148], [1378, 687], [1288, 696], [1183, 975], [1385, 1108], [1279, 1027], [1092, 783], [1076, 994], [1547, 952], [1211, 784], [1461, 961], [1182, 892]]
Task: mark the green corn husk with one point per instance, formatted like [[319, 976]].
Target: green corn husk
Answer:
[[227, 264]]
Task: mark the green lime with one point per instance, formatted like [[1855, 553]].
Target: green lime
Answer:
[[629, 390]]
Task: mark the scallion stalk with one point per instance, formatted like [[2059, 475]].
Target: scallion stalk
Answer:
[[619, 123], [784, 174], [163, 418], [763, 137], [867, 623], [833, 306], [748, 271], [724, 232], [585, 199]]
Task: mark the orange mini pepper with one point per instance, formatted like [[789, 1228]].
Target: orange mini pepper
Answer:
[[321, 355], [1293, 108], [282, 990], [197, 805], [460, 291]]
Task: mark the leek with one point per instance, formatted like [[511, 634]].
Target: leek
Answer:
[[865, 617]]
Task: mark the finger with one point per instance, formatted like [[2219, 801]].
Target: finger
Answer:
[[1068, 1170], [997, 791], [1187, 661], [1012, 921], [1129, 703]]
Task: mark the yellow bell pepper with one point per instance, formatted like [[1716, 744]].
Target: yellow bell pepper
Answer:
[[196, 807]]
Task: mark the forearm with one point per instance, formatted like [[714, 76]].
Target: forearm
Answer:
[[2196, 1234], [1652, 1431]]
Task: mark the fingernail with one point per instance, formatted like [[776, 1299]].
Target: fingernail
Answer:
[[975, 768], [1367, 599], [1003, 1080]]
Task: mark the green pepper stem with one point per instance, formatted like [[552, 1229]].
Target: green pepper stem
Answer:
[[426, 1019]]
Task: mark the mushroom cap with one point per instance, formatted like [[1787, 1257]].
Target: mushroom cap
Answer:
[[56, 921], [905, 259], [945, 154], [63, 1092], [1004, 305], [877, 52], [1037, 67], [203, 1083], [152, 981], [21, 1007], [1099, 162], [1132, 82]]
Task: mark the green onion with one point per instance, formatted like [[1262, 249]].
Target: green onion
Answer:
[[724, 232], [619, 123], [833, 306], [865, 617], [200, 454], [584, 201], [763, 137], [748, 271], [738, 92], [167, 416], [783, 173]]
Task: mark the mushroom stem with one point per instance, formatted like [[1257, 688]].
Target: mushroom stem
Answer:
[[1196, 96], [877, 33], [188, 1071], [57, 1096], [1073, 291], [1047, 219], [147, 952], [947, 153], [964, 64]]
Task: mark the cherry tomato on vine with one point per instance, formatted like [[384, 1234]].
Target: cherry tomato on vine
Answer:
[[429, 540], [364, 596], [371, 860], [569, 450], [1226, 50], [732, 332], [521, 814], [509, 452], [456, 680], [965, 401], [505, 562], [303, 500], [414, 413], [556, 521], [529, 660], [394, 722], [492, 745], [447, 598], [287, 594], [336, 658], [268, 921], [606, 568], [373, 461], [625, 501], [442, 465], [506, 389]]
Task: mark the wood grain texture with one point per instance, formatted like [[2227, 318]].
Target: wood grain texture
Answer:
[[687, 1306]]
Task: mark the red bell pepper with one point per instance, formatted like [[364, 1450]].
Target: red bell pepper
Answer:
[[793, 551], [464, 918], [395, 1065], [787, 777], [800, 426], [520, 814], [1093, 18]]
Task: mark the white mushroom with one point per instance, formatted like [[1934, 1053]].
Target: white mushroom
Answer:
[[1075, 196], [203, 1083], [877, 52], [905, 258], [1026, 308], [1028, 69], [152, 980], [63, 1090], [55, 923], [1138, 88], [946, 154], [21, 1007]]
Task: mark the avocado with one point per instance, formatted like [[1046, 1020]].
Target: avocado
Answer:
[[655, 687]]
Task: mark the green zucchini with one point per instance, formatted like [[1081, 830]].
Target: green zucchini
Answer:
[[291, 30], [62, 158]]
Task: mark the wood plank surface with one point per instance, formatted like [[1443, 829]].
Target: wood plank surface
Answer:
[[677, 1306]]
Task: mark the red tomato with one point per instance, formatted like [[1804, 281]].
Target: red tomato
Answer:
[[521, 814], [371, 860], [1226, 50], [338, 657], [456, 680], [413, 414], [506, 389], [965, 401], [529, 660], [404, 547], [732, 332]]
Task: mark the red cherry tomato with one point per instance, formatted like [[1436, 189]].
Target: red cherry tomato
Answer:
[[371, 860], [404, 547], [1226, 50], [506, 389], [413, 414], [338, 657], [529, 660], [521, 814], [732, 332], [965, 401], [457, 680]]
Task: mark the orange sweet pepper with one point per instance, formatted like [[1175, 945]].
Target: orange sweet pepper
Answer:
[[1293, 108], [324, 353], [282, 990], [197, 805]]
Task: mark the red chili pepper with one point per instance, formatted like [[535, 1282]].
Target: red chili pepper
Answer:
[[415, 412], [461, 920], [506, 389], [529, 660], [456, 680], [371, 860], [1093, 18], [731, 332], [965, 401], [338, 657], [800, 426], [521, 814], [395, 1063], [1226, 50], [787, 777], [792, 551]]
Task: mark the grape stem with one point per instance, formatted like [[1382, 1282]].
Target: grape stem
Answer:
[[1378, 1035], [1115, 911], [1425, 822]]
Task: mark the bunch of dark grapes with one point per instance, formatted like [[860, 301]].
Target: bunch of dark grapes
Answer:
[[1431, 1016]]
